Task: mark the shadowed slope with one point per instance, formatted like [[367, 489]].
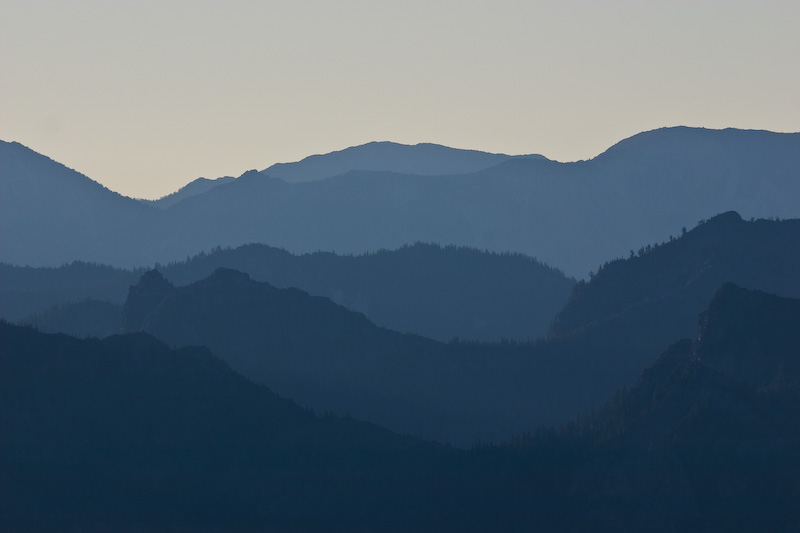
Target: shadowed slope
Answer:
[[127, 435], [468, 392], [303, 347], [620, 321], [675, 279], [125, 432], [707, 438]]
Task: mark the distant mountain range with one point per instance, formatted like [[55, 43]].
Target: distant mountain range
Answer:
[[423, 159], [264, 385], [325, 356], [125, 434], [437, 292], [47, 206], [574, 216]]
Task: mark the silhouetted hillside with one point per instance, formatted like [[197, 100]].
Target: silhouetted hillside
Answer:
[[706, 439], [442, 293], [661, 294], [437, 292], [760, 254], [320, 354], [25, 291], [303, 347], [422, 159], [752, 337], [125, 434], [620, 320], [573, 216], [669, 284], [488, 391]]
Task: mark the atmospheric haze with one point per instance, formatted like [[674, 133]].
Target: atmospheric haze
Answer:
[[146, 96]]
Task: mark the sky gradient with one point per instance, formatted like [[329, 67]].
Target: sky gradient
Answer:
[[146, 96]]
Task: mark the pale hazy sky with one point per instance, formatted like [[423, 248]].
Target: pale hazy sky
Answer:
[[145, 96]]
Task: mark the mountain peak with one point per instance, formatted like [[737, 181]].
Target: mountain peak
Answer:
[[732, 141], [144, 298], [252, 173], [727, 218], [152, 279], [424, 159]]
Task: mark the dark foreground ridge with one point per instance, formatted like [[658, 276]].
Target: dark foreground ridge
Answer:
[[707, 438], [126, 434]]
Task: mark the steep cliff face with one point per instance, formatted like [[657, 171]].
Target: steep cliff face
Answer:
[[750, 336], [707, 437], [143, 299]]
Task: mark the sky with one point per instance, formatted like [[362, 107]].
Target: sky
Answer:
[[146, 96]]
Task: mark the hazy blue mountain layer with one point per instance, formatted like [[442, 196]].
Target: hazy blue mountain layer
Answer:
[[50, 214], [433, 291], [125, 434], [573, 216], [423, 159], [25, 291], [667, 285], [333, 359], [442, 293], [320, 354]]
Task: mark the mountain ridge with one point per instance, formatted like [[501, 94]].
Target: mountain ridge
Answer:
[[602, 207], [434, 291], [127, 434], [426, 159], [492, 389], [694, 418]]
